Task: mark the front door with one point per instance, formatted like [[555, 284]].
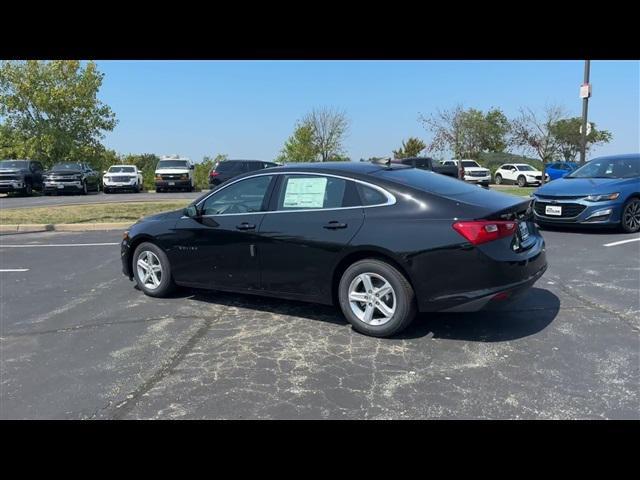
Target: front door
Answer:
[[218, 248]]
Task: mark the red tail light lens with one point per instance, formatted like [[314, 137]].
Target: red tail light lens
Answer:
[[483, 231], [214, 174]]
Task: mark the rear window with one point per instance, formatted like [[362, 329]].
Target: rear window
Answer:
[[427, 181], [229, 167]]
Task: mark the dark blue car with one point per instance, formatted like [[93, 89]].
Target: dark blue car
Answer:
[[560, 169], [604, 192]]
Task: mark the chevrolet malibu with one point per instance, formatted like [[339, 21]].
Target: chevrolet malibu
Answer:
[[380, 241], [604, 192]]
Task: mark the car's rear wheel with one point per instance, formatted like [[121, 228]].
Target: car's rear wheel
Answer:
[[376, 298], [28, 189], [522, 182], [631, 216], [498, 179], [152, 270]]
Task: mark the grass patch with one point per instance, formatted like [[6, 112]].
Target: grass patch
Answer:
[[519, 191], [90, 213]]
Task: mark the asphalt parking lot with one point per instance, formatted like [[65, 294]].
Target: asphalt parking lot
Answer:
[[78, 341], [17, 201]]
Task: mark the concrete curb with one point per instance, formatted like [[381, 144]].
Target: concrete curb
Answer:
[[63, 227]]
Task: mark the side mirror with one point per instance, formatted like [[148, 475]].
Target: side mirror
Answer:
[[191, 211], [192, 167]]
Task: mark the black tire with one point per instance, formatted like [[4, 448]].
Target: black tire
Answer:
[[28, 190], [106, 190], [166, 284], [405, 308], [522, 181], [85, 190], [630, 221], [498, 179]]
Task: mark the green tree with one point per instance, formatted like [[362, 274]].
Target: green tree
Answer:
[[50, 111], [567, 133], [410, 148], [468, 133], [300, 147], [330, 127]]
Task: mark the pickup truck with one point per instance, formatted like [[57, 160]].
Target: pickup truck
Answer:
[[472, 172], [428, 163], [22, 176]]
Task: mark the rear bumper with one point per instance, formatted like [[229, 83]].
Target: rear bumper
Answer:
[[497, 296]]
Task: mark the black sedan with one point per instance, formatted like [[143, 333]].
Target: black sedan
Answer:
[[381, 241]]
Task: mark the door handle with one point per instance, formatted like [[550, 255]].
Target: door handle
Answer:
[[334, 225], [245, 226]]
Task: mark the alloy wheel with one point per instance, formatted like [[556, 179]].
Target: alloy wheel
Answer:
[[631, 216], [149, 270], [372, 299]]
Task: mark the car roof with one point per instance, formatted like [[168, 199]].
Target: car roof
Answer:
[[355, 168], [245, 160]]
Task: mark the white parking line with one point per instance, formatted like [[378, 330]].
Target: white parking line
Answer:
[[59, 245], [613, 244], [14, 269]]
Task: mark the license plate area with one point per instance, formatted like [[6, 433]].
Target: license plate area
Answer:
[[523, 230], [553, 210], [172, 183]]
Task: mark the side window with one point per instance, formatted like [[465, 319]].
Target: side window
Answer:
[[371, 196], [245, 196], [300, 192]]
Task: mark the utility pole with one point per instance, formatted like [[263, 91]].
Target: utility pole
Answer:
[[585, 93]]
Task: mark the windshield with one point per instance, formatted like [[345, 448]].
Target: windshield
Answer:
[[525, 168], [470, 164], [121, 170], [172, 164], [608, 168], [67, 166], [13, 164]]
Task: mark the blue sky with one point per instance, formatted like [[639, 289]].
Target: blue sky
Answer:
[[247, 109]]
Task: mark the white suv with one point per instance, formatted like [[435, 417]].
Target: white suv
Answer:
[[122, 177], [472, 171], [174, 173], [521, 174]]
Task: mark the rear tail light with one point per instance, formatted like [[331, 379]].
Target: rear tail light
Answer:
[[483, 231], [214, 174]]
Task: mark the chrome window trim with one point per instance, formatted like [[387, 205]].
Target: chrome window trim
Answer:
[[391, 199]]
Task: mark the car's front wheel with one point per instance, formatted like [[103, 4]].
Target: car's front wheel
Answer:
[[152, 270], [376, 298], [631, 216], [522, 181]]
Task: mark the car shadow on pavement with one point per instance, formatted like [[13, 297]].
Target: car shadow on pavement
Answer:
[[584, 230], [532, 313]]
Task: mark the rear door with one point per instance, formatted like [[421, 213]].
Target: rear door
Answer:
[[314, 219]]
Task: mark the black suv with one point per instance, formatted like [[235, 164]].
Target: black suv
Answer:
[[22, 176], [227, 169], [72, 176]]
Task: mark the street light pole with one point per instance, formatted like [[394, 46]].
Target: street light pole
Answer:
[[585, 93]]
